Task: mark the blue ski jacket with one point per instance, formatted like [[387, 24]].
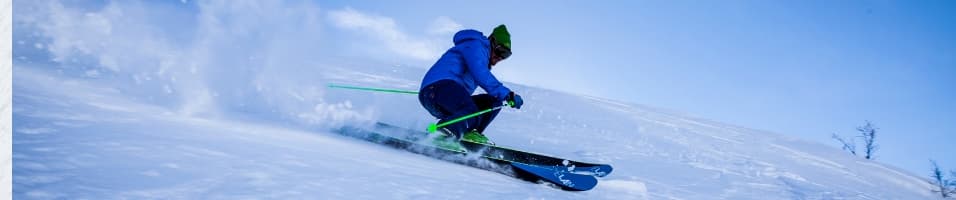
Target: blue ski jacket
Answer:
[[467, 64]]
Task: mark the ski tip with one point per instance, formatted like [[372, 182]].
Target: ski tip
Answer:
[[565, 179], [601, 170], [432, 128]]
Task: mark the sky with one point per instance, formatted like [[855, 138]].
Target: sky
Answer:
[[805, 68]]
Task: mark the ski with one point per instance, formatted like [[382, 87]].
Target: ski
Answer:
[[503, 153], [559, 176], [555, 175]]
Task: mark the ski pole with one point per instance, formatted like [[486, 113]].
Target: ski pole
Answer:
[[433, 127], [333, 85]]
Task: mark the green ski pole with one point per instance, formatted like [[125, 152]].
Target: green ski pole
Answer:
[[431, 127], [333, 85], [434, 127]]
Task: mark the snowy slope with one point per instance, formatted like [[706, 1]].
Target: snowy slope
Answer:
[[145, 100], [82, 139]]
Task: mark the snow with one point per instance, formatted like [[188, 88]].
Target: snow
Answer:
[[201, 125], [86, 140]]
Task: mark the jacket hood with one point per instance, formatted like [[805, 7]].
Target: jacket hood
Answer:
[[467, 35]]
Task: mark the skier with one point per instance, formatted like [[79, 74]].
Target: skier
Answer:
[[447, 88]]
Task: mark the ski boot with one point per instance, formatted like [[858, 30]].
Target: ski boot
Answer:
[[476, 137], [447, 139]]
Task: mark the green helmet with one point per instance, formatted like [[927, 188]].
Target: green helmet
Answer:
[[501, 36]]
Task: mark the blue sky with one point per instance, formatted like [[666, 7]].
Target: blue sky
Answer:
[[801, 68]]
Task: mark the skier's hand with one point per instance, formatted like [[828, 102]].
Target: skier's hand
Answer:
[[514, 100]]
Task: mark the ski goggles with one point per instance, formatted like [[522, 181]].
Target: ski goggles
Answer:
[[502, 51]]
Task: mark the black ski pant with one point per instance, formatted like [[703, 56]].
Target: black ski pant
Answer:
[[447, 100]]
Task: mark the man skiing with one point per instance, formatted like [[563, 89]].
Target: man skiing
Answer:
[[447, 87]]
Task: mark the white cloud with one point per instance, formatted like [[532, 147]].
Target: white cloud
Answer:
[[444, 26], [384, 29]]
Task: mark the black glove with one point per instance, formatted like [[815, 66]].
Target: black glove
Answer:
[[514, 100]]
